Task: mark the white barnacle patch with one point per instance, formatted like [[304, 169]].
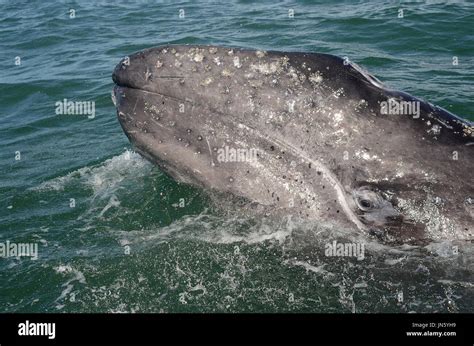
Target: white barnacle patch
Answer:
[[249, 75], [284, 61], [226, 73], [251, 103], [399, 174], [256, 83], [315, 78], [468, 131], [177, 63], [207, 81], [154, 109], [364, 155], [217, 61], [266, 69], [435, 130], [338, 92], [213, 50], [438, 201], [339, 136], [260, 54], [158, 64], [198, 57], [338, 118], [292, 74], [270, 116], [362, 104], [237, 63], [291, 106]]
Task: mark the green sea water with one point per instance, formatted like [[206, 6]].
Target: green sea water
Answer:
[[114, 234]]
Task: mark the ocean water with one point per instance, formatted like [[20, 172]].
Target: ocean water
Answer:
[[114, 234]]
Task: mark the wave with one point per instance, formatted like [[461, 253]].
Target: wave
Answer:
[[103, 178]]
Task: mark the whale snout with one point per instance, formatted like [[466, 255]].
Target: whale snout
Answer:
[[138, 96], [131, 71]]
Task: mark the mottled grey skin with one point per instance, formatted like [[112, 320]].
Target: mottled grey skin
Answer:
[[325, 151]]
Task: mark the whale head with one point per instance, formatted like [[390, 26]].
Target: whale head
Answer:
[[305, 134]]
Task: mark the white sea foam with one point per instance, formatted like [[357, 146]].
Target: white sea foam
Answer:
[[68, 270], [213, 229], [107, 175], [311, 268]]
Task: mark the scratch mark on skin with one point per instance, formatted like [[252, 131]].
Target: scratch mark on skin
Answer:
[[444, 124], [148, 74], [157, 123], [136, 101], [162, 95], [210, 153], [169, 77]]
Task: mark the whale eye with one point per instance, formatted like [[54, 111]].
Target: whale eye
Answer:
[[375, 209], [364, 204], [367, 199]]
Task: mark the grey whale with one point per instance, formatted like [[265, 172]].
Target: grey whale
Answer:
[[306, 134]]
